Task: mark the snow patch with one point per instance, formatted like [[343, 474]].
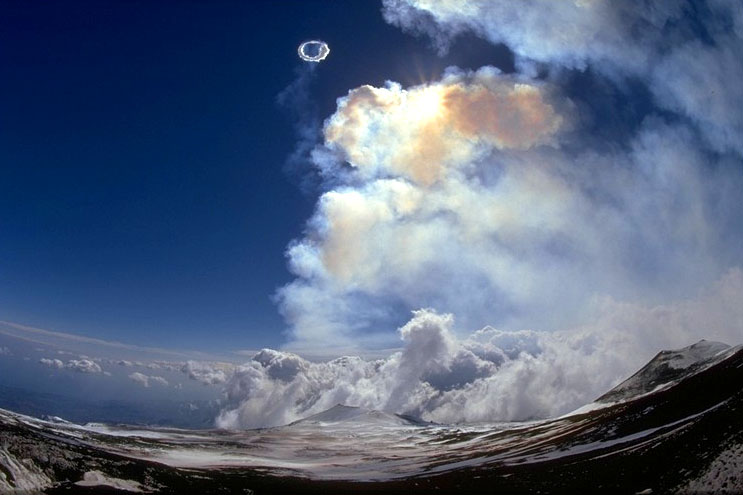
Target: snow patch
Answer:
[[723, 475], [97, 478], [25, 476]]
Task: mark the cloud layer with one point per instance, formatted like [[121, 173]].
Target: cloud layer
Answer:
[[490, 375], [519, 201]]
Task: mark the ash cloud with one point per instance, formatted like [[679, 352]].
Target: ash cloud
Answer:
[[488, 198], [446, 202]]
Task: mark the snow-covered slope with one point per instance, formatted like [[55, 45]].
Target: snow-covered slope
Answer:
[[349, 415], [669, 367]]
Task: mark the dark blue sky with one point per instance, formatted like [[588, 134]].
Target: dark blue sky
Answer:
[[144, 195]]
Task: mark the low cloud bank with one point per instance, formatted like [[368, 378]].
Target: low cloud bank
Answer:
[[79, 365], [490, 375]]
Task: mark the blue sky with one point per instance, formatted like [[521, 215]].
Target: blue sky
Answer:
[[143, 189]]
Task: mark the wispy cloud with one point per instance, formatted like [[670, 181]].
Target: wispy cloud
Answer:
[[80, 343], [687, 51]]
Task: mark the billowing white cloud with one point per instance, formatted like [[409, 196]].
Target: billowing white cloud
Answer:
[[490, 375], [497, 227], [146, 380], [501, 201], [486, 196], [206, 372], [422, 133]]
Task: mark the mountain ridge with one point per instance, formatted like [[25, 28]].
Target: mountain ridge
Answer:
[[668, 367]]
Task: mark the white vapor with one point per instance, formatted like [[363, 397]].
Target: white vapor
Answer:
[[492, 199], [457, 195]]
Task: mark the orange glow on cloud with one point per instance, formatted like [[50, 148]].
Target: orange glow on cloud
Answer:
[[424, 132]]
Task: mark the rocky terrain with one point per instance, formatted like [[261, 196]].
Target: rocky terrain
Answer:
[[675, 426]]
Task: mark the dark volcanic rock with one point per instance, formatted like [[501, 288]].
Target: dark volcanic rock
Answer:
[[668, 367]]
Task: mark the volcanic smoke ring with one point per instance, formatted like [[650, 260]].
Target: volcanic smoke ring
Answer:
[[322, 50]]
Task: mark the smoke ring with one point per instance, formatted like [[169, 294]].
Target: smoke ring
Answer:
[[322, 50]]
